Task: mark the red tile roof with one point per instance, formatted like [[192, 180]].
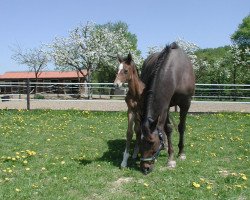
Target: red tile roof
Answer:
[[42, 75]]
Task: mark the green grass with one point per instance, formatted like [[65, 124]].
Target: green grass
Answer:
[[72, 154]]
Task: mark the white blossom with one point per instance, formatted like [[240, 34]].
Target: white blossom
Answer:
[[89, 45]]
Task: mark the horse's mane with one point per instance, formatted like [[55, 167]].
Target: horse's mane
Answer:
[[163, 56]]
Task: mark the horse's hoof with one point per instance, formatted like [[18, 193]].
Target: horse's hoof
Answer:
[[171, 164], [182, 157], [123, 165], [134, 157]]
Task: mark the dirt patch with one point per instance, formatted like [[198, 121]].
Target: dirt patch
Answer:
[[224, 173], [116, 186]]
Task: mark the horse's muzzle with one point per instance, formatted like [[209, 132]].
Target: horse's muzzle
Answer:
[[146, 168]]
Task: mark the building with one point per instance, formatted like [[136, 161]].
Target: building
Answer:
[[10, 80]]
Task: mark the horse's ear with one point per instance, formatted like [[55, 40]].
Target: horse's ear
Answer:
[[129, 59], [120, 59]]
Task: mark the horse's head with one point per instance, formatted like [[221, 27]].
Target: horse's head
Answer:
[[151, 144], [125, 71]]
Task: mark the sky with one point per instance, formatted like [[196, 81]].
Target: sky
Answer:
[[30, 23]]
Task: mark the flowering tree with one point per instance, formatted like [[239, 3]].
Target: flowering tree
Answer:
[[36, 59], [187, 46], [190, 48], [240, 65], [89, 46]]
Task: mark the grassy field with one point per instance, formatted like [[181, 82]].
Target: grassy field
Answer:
[[72, 154]]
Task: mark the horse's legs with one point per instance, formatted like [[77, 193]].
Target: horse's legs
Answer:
[[129, 138], [168, 129], [138, 138], [181, 129]]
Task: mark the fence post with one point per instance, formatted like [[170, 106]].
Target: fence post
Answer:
[[28, 94]]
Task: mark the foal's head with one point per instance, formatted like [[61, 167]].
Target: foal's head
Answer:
[[126, 70], [151, 144]]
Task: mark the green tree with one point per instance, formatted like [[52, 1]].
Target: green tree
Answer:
[[241, 36], [240, 51]]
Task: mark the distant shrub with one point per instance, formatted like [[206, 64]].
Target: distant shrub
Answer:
[[39, 96]]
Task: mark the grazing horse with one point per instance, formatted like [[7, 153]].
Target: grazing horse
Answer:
[[127, 73], [170, 81]]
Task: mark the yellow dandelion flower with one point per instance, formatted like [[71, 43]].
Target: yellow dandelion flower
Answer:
[[30, 153], [146, 185], [202, 180], [244, 177], [238, 186], [209, 187], [63, 162], [18, 190], [65, 178], [27, 169], [213, 154], [25, 162], [196, 185], [34, 186], [43, 168]]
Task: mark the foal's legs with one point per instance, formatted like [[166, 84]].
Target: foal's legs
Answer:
[[137, 130], [129, 138], [181, 129], [168, 129]]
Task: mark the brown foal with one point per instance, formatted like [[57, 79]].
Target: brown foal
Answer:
[[127, 73]]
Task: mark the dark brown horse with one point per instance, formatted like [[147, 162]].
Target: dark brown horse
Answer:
[[127, 73], [170, 81]]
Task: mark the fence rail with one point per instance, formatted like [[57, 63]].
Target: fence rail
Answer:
[[11, 91]]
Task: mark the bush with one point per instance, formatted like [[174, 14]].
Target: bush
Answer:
[[39, 96]]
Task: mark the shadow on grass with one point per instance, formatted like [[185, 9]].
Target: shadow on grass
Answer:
[[114, 155]]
